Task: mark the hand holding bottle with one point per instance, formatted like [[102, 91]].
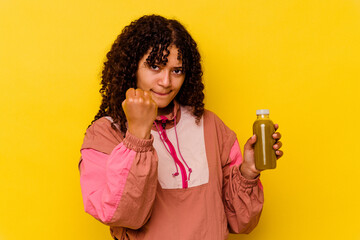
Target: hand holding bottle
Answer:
[[140, 110], [247, 168]]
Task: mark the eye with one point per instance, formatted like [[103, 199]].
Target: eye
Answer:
[[154, 67], [178, 71]]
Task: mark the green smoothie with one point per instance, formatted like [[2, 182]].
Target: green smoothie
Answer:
[[265, 157]]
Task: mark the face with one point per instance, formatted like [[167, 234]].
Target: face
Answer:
[[162, 81]]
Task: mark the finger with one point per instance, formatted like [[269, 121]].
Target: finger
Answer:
[[147, 96], [279, 154], [276, 136], [250, 142], [276, 126], [277, 146], [146, 93], [139, 92], [155, 107], [130, 93], [154, 104]]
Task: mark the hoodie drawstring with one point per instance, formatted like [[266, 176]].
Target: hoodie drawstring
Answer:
[[170, 148], [163, 141], [178, 145]]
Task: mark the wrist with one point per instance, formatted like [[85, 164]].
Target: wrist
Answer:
[[247, 172], [140, 133]]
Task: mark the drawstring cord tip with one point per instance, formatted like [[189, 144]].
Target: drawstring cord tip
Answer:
[[190, 171]]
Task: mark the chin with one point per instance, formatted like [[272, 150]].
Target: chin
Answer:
[[163, 104]]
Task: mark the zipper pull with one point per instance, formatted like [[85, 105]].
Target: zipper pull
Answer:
[[163, 131]]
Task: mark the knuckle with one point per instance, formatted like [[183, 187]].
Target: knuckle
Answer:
[[139, 91], [147, 102], [130, 90]]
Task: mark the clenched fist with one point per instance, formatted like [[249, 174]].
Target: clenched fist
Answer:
[[140, 110]]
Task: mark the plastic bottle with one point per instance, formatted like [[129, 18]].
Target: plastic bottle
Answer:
[[265, 157]]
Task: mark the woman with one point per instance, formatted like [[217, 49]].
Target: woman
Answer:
[[155, 164]]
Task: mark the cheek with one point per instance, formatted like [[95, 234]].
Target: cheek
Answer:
[[181, 83], [140, 81]]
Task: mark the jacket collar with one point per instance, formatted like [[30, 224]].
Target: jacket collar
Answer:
[[176, 113]]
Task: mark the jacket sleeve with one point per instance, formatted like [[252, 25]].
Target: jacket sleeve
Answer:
[[119, 188], [243, 198]]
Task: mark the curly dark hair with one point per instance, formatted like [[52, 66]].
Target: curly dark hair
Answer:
[[119, 73]]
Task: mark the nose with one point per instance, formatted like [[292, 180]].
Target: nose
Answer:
[[165, 80]]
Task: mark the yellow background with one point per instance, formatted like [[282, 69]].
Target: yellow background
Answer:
[[298, 58]]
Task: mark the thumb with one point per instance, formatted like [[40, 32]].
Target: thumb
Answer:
[[250, 143]]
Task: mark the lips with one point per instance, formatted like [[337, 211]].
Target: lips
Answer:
[[161, 93]]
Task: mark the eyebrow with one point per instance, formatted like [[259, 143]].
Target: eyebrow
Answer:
[[177, 67]]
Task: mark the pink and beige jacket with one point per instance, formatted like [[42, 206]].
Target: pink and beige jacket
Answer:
[[182, 184]]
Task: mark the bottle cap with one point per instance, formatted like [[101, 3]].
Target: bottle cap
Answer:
[[262, 112]]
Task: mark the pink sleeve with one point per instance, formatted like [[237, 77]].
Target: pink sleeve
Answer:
[[119, 189], [243, 198]]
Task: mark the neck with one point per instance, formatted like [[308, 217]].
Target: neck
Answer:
[[166, 110]]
